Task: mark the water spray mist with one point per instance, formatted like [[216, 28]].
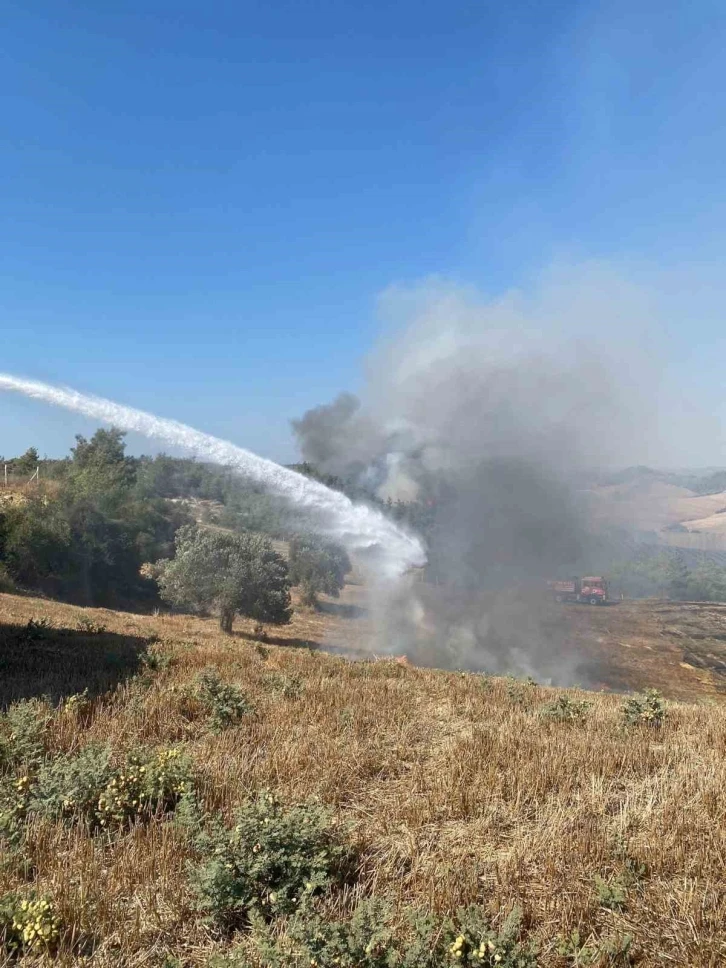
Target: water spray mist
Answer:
[[361, 529]]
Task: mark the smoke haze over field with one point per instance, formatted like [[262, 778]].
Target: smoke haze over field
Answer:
[[496, 410]]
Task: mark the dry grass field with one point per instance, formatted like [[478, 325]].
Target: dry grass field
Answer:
[[451, 788]]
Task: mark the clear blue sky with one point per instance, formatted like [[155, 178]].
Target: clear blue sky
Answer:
[[201, 201]]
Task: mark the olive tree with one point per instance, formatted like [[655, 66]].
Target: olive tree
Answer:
[[230, 573], [317, 566]]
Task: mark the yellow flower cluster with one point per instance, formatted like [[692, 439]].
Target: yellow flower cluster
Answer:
[[122, 796], [486, 948], [141, 785], [77, 703], [456, 946], [35, 924], [166, 781]]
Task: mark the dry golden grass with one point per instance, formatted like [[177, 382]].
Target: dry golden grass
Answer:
[[456, 788]]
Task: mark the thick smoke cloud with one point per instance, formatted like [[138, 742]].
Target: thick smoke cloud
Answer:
[[493, 412]]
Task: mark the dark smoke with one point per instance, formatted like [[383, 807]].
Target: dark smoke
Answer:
[[494, 414]]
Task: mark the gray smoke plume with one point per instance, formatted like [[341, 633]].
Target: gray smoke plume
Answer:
[[491, 413]]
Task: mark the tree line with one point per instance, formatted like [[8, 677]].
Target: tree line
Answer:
[[113, 530], [667, 574], [103, 531]]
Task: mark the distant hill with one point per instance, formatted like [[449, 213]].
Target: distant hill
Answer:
[[710, 480], [675, 509]]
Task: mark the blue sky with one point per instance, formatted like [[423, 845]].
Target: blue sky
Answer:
[[201, 203]]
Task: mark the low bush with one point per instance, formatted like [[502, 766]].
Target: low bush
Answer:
[[28, 924], [611, 894], [271, 862], [155, 661], [78, 705], [88, 627], [89, 786], [366, 940], [646, 710], [281, 684], [38, 628], [7, 583], [475, 942], [224, 702], [22, 734], [566, 710], [373, 938]]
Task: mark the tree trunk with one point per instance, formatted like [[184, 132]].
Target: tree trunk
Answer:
[[226, 618]]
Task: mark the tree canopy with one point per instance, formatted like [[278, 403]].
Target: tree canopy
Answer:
[[232, 574], [86, 540], [27, 463], [318, 567]]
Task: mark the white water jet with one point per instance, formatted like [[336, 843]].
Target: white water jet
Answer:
[[388, 548]]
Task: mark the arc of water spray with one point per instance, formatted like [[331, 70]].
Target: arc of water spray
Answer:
[[358, 527]]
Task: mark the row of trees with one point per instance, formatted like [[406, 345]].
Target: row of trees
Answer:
[[668, 574], [85, 539], [88, 537]]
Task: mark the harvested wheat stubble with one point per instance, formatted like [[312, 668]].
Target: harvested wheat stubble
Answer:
[[455, 787]]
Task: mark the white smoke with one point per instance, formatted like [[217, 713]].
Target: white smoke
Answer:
[[387, 548]]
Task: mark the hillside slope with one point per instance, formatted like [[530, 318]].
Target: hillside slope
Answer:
[[651, 505], [452, 789]]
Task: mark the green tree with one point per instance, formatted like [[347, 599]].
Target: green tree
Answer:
[[87, 544], [234, 574], [707, 582], [677, 576], [318, 567], [37, 545], [100, 465], [28, 463]]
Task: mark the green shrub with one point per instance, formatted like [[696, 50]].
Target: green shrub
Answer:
[[88, 786], [28, 924], [155, 661], [566, 710], [473, 941], [578, 952], [634, 869], [367, 939], [22, 734], [89, 627], [615, 950], [371, 938], [38, 628], [288, 686], [79, 705], [224, 702], [271, 862], [14, 803], [646, 710], [69, 786], [611, 894]]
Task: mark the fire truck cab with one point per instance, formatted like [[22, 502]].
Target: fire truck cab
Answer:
[[592, 590]]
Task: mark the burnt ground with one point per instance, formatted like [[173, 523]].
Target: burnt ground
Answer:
[[679, 648]]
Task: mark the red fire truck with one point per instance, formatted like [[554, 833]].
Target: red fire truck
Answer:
[[593, 591]]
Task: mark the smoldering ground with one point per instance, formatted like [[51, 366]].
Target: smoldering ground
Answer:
[[492, 413]]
